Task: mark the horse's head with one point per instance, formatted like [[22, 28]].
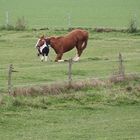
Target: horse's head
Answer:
[[40, 41], [48, 40]]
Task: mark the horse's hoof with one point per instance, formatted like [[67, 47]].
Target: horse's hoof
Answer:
[[60, 61], [76, 59]]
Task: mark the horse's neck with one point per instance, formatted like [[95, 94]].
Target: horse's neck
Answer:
[[55, 43]]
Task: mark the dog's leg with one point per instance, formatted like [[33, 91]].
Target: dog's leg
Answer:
[[41, 57], [46, 58]]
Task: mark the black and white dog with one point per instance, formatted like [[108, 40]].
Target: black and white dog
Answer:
[[43, 51]]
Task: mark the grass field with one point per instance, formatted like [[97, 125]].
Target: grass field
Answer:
[[74, 13], [61, 124], [98, 60], [104, 111]]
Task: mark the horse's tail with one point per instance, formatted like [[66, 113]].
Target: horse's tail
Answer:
[[85, 41]]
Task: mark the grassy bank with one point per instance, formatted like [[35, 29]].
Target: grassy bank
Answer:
[[101, 112]]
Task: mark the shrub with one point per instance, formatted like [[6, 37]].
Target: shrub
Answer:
[[7, 27], [132, 26], [20, 24]]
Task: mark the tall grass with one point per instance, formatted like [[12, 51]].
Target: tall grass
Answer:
[[84, 94]]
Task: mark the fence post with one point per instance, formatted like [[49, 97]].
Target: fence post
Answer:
[[10, 79], [121, 66], [69, 20], [70, 71], [7, 19], [10, 70]]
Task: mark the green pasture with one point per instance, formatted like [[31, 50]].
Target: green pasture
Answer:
[[101, 113], [73, 13], [99, 60], [81, 124]]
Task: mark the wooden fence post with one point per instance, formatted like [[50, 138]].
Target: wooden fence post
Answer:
[[121, 66], [70, 71], [10, 79], [10, 70]]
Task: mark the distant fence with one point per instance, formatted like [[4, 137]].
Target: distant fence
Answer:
[[64, 21]]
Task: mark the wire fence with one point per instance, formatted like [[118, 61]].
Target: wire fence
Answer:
[[66, 20], [120, 71]]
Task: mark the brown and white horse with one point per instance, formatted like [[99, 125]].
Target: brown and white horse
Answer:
[[77, 38]]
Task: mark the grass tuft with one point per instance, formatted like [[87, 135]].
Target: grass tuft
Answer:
[[55, 89]]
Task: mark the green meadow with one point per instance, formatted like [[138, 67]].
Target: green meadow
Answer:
[[102, 112], [74, 13], [100, 58], [61, 124], [98, 111]]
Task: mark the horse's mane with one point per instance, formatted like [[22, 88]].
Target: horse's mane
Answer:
[[59, 37], [55, 37]]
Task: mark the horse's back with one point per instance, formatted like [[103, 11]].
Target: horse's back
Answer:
[[65, 43], [78, 34]]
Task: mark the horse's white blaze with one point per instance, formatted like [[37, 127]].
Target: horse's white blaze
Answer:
[[37, 43]]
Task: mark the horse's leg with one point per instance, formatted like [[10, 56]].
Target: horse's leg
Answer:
[[79, 51], [76, 58], [80, 47], [58, 58]]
